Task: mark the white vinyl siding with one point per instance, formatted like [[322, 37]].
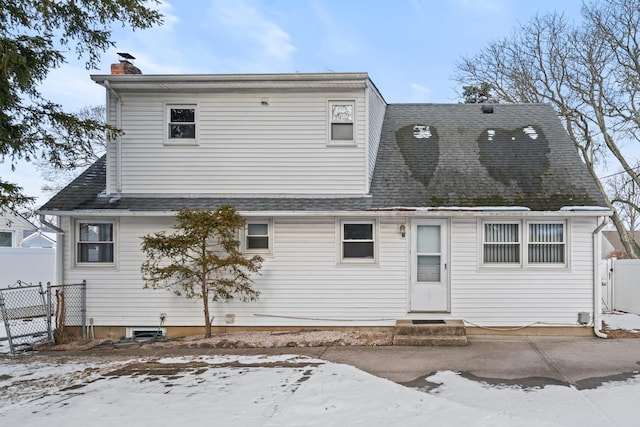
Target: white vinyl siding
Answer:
[[301, 284], [521, 296], [244, 147], [300, 281], [377, 108], [12, 228]]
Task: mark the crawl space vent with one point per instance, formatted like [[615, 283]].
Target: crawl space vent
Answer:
[[428, 322], [147, 333]]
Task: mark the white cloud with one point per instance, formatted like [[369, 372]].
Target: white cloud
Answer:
[[169, 19]]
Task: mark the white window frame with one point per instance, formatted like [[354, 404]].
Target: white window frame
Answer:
[[563, 243], [14, 243], [525, 241], [167, 123], [330, 122], [340, 241], [484, 243], [77, 242], [245, 236]]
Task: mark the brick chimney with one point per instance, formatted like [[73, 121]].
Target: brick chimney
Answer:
[[125, 66]]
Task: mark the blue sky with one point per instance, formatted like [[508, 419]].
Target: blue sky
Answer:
[[408, 47]]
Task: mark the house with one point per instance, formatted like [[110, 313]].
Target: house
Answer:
[[612, 244], [13, 228], [365, 212], [27, 254], [40, 239]]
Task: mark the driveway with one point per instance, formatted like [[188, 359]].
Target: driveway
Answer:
[[583, 362]]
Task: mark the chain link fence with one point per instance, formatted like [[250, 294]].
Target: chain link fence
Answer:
[[67, 311], [34, 315]]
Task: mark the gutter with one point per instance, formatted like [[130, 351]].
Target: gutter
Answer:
[[597, 286], [107, 85], [342, 213], [59, 263]]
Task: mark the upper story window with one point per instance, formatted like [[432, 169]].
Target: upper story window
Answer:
[[524, 242], [182, 122], [95, 243], [258, 236], [358, 241], [341, 121], [6, 239]]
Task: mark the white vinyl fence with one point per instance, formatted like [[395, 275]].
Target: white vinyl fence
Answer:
[[28, 265], [626, 285]]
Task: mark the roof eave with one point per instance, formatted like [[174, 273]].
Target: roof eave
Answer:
[[435, 212]]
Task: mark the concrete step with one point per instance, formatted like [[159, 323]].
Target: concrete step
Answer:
[[449, 332], [407, 340]]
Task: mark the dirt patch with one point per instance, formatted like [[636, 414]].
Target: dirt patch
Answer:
[[620, 333], [241, 340], [174, 370]]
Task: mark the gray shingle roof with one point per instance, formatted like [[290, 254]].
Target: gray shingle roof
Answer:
[[430, 155], [520, 155]]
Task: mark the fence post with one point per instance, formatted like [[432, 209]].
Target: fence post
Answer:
[[49, 326], [83, 310], [5, 317]]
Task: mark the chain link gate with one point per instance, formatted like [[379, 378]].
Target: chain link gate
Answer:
[[35, 316], [67, 311]]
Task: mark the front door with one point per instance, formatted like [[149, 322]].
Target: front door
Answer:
[[429, 273]]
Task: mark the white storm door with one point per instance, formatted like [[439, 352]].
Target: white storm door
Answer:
[[429, 273]]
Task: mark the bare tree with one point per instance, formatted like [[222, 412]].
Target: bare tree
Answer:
[[589, 73], [70, 164], [625, 195]]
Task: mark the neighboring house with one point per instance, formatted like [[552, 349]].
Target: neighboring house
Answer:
[[612, 244], [13, 228], [40, 239], [22, 257], [364, 212]]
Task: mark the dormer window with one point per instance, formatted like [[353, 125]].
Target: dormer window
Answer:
[[182, 122], [341, 120]]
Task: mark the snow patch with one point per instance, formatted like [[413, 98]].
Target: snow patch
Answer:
[[530, 132], [421, 132], [624, 321]]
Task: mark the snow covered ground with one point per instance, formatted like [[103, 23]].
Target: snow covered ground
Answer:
[[285, 391], [288, 391]]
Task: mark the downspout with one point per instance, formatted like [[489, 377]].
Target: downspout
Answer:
[[59, 263], [597, 286], [118, 137]]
